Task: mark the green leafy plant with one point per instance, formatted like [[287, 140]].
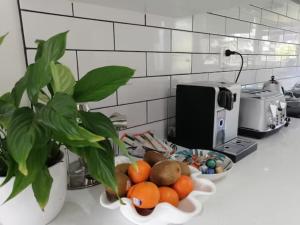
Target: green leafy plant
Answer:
[[31, 136]]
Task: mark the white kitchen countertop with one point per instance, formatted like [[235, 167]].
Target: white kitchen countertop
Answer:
[[263, 189]]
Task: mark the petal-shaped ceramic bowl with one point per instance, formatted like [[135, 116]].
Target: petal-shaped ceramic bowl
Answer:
[[165, 213], [226, 162]]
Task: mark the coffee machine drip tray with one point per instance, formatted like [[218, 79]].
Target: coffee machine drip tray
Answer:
[[237, 148]]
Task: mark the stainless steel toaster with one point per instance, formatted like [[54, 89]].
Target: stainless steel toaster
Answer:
[[262, 112]]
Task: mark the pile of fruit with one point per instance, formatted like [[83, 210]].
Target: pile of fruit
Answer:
[[151, 181]]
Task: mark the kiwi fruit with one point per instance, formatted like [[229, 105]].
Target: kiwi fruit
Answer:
[[185, 170], [111, 196], [122, 168], [153, 157], [123, 183], [144, 212], [165, 173]]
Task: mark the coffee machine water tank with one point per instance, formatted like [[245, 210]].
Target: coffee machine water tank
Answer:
[[206, 114]]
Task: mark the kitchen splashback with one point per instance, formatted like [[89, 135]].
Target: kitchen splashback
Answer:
[[165, 51]]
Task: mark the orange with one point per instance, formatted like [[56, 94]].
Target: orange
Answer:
[[168, 195], [183, 186], [140, 172], [129, 193], [144, 195]]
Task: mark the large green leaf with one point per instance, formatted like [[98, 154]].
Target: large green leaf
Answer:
[[98, 124], [102, 125], [54, 48], [39, 75], [22, 133], [2, 38], [18, 90], [74, 143], [41, 187], [7, 108], [101, 83], [40, 48], [36, 161], [43, 98], [60, 114], [101, 164], [62, 79], [11, 169]]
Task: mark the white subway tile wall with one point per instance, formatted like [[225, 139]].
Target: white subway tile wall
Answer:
[[53, 6], [182, 23], [269, 18], [88, 60], [157, 110], [232, 12], [220, 43], [136, 113], [223, 76], [83, 34], [106, 13], [247, 46], [189, 42], [259, 32], [247, 77], [141, 38], [250, 13], [168, 63], [206, 63], [142, 89], [276, 34], [293, 10], [167, 51], [279, 6], [209, 23], [237, 28]]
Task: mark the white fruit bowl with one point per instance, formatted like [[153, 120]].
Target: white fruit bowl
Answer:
[[165, 213]]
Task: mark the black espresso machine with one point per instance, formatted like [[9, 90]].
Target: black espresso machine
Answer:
[[207, 118]]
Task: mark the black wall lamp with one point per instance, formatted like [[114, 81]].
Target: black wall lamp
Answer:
[[229, 53]]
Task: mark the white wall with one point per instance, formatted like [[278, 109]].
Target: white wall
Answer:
[[165, 51], [12, 60]]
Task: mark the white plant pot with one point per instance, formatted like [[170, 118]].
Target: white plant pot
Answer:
[[24, 209]]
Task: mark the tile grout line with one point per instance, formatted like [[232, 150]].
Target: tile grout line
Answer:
[[114, 36], [193, 23], [171, 40], [146, 64], [72, 4], [23, 33], [191, 54], [77, 64], [147, 114], [117, 97], [145, 124], [174, 52]]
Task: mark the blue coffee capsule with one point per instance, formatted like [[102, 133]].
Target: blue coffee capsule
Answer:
[[210, 171], [211, 163]]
